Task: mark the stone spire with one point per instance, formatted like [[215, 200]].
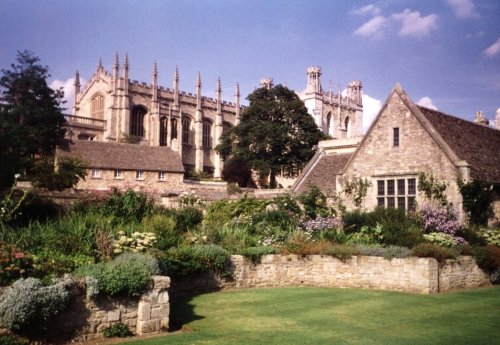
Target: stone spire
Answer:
[[313, 79], [77, 91], [154, 82], [237, 101], [116, 68], [198, 91], [218, 130], [176, 87], [99, 66], [125, 74], [198, 128], [480, 119], [218, 92]]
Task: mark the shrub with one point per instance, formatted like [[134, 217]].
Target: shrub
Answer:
[[368, 235], [127, 275], [432, 250], [236, 171], [315, 203], [14, 263], [165, 228], [233, 188], [444, 240], [487, 258], [439, 219], [388, 252], [50, 263], [128, 207], [138, 242], [12, 340], [477, 200], [341, 251], [491, 236], [184, 261], [27, 302], [279, 218], [286, 202], [119, 330], [234, 236], [190, 199], [255, 254], [188, 218]]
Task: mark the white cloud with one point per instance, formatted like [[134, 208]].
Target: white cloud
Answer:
[[493, 50], [463, 8], [427, 102], [370, 9], [413, 24], [69, 91], [371, 107], [373, 27]]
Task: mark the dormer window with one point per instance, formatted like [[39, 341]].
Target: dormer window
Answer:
[[395, 137]]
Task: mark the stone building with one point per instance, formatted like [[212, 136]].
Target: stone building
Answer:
[[404, 140]]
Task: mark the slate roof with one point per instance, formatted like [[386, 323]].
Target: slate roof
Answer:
[[478, 145], [324, 173], [107, 155]]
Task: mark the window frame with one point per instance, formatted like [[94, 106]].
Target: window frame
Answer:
[[96, 173], [139, 175], [399, 195], [186, 124], [396, 137], [207, 134], [118, 174], [161, 176]]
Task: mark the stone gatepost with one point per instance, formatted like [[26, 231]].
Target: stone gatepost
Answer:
[[153, 310]]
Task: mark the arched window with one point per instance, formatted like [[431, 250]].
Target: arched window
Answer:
[[347, 124], [207, 138], [328, 124], [185, 130], [97, 107], [137, 121], [163, 131], [173, 129]]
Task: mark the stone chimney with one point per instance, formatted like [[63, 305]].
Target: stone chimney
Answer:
[[480, 119]]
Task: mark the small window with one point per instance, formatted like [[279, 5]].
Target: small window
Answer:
[[412, 186], [381, 187], [401, 202], [390, 187], [118, 174], [161, 175], [401, 187], [381, 202], [139, 175], [395, 137], [96, 173], [390, 202], [207, 139]]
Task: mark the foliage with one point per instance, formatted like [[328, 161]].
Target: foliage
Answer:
[[184, 261], [130, 139], [128, 207], [432, 188], [164, 226], [275, 134], [118, 329], [31, 117], [439, 219], [443, 239], [285, 202], [12, 340], [477, 200], [51, 263], [255, 254], [127, 275], [433, 250], [188, 218], [190, 199], [10, 206], [67, 174], [236, 171], [342, 252], [388, 252], [138, 242], [356, 187], [315, 203], [492, 236], [233, 188], [368, 235], [14, 263], [28, 301], [488, 258]]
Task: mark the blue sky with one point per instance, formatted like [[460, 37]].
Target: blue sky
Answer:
[[445, 53]]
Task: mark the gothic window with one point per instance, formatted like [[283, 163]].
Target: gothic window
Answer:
[[207, 138], [163, 131], [137, 121], [398, 193], [185, 130], [97, 107], [328, 123], [173, 129]]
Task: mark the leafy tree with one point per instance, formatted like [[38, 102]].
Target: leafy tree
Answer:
[[276, 134], [31, 117]]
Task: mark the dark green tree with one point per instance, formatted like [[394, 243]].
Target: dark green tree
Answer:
[[31, 117], [276, 134]]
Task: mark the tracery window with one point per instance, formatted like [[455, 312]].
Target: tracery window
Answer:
[[186, 123], [137, 121], [207, 138], [163, 131], [97, 107], [328, 124], [173, 129]]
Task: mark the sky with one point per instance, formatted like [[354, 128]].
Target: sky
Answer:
[[444, 53]]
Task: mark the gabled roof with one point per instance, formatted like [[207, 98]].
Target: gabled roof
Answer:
[[321, 171], [476, 144], [107, 155]]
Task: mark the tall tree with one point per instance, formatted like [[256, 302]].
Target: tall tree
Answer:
[[31, 117], [276, 134]]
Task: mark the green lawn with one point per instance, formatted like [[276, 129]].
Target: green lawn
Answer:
[[336, 316]]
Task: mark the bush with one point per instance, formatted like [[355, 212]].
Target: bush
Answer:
[[341, 251], [444, 240], [388, 253], [439, 219], [487, 258], [286, 202], [119, 330], [315, 203], [52, 264], [165, 228], [12, 340], [127, 275], [432, 250], [491, 236], [188, 218], [138, 242], [236, 171], [14, 263], [128, 207], [278, 218], [255, 254], [27, 303], [184, 261]]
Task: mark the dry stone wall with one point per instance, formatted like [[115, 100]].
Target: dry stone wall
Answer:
[[412, 274]]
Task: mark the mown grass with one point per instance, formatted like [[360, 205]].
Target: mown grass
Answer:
[[335, 316]]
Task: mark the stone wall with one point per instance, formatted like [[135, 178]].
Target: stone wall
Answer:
[[86, 319], [412, 274]]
